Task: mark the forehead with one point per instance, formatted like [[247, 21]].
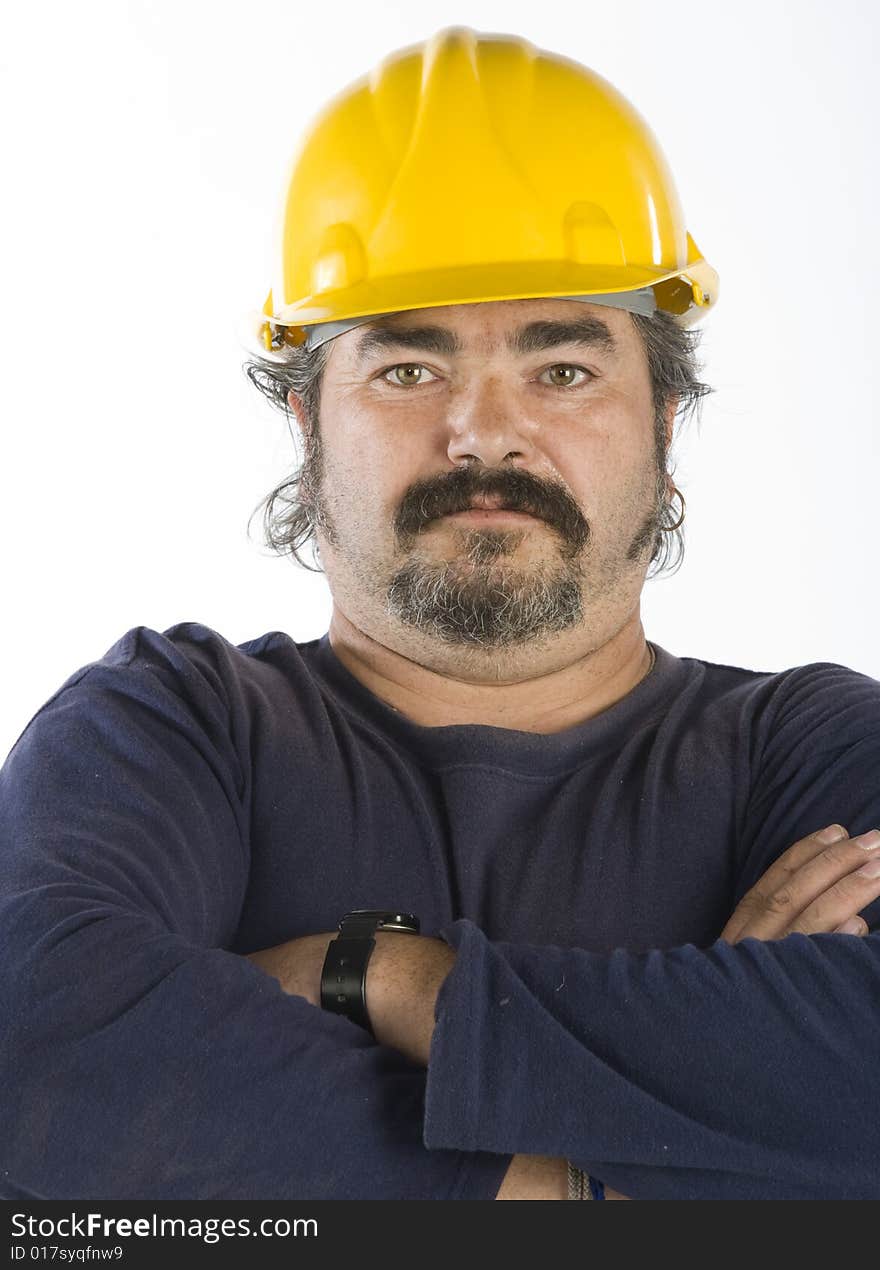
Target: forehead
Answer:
[[513, 326]]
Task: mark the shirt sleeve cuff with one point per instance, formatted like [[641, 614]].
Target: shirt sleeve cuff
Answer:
[[469, 1002]]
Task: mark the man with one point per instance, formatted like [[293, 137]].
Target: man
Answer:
[[507, 620], [637, 878]]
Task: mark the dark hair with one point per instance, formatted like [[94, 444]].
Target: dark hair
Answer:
[[288, 519]]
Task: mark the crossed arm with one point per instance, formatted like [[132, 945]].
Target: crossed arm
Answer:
[[139, 1052], [817, 886]]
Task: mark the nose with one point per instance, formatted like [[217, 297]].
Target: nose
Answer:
[[487, 421]]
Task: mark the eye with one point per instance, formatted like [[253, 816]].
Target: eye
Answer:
[[568, 370], [408, 379]]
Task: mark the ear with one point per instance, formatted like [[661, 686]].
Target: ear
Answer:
[[670, 418], [297, 406]]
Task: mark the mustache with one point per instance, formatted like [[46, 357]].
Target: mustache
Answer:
[[522, 491]]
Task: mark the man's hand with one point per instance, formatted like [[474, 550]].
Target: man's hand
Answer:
[[817, 886], [540, 1177]]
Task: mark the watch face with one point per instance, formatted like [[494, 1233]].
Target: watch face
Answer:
[[385, 919], [399, 921]]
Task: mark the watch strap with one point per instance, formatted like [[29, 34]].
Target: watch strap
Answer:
[[344, 977], [344, 974]]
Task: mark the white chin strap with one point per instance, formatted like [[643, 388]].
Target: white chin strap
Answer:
[[642, 301]]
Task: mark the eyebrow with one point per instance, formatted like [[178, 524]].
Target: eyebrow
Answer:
[[535, 337]]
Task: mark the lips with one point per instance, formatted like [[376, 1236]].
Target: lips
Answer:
[[490, 515], [487, 503]]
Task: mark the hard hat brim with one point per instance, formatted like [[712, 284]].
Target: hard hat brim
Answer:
[[677, 291]]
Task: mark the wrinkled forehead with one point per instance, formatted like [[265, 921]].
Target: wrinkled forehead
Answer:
[[495, 328]]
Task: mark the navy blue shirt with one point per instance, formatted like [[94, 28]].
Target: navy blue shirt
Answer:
[[183, 801]]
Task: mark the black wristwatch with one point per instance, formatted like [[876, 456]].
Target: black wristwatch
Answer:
[[344, 976]]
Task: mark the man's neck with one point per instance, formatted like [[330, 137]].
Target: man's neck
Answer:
[[558, 690]]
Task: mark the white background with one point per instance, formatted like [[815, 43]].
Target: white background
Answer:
[[145, 149]]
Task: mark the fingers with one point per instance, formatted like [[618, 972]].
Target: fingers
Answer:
[[852, 926], [814, 886], [843, 900], [792, 860], [755, 902]]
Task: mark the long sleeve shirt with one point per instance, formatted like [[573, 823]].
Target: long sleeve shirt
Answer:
[[183, 801]]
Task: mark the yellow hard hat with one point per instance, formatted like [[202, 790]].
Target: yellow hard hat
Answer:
[[478, 167]]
